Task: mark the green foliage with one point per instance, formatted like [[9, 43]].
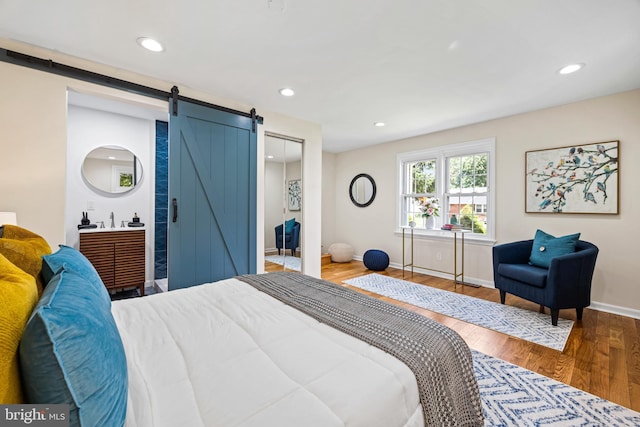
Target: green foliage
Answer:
[[468, 171], [470, 221], [423, 176], [126, 180]]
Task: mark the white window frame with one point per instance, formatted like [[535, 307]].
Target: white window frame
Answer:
[[441, 154]]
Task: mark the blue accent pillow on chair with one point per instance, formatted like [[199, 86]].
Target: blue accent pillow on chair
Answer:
[[545, 247], [71, 353], [288, 225]]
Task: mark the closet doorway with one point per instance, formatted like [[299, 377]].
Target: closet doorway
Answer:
[[283, 202]]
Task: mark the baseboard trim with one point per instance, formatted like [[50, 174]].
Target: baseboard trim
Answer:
[[595, 305], [615, 309], [470, 280]]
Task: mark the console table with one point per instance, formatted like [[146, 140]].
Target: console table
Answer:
[[455, 272]]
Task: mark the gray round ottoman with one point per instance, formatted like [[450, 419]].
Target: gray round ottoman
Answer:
[[341, 252]]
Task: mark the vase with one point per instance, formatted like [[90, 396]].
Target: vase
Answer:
[[430, 223]]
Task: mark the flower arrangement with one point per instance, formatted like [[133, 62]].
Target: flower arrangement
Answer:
[[429, 206]]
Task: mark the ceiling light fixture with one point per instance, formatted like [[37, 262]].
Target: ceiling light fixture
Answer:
[[378, 124], [150, 44], [572, 68], [285, 91]]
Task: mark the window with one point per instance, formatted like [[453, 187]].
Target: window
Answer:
[[420, 179], [459, 178], [466, 191]]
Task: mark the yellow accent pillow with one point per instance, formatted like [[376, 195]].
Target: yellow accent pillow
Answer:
[[18, 297], [25, 249]]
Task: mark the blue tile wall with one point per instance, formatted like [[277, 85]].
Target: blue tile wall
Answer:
[[162, 199]]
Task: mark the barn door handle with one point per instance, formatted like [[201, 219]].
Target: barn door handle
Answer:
[[174, 203]]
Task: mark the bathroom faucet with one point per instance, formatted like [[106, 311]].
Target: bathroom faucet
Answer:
[[113, 224]]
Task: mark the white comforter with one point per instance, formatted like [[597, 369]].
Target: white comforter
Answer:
[[224, 354]]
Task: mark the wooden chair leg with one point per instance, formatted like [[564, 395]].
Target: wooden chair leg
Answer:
[[503, 295], [579, 312], [541, 309], [555, 312]]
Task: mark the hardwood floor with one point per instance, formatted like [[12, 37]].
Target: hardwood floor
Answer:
[[602, 355]]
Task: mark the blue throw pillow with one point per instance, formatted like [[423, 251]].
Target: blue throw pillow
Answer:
[[72, 259], [288, 225], [545, 247], [71, 353]]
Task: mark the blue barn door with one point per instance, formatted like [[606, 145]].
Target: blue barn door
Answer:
[[212, 195]]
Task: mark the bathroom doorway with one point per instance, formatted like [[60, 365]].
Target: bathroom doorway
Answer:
[[104, 123]]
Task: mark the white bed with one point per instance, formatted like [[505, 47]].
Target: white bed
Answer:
[[225, 354], [278, 349]]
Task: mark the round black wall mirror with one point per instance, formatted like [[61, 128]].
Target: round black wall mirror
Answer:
[[362, 190]]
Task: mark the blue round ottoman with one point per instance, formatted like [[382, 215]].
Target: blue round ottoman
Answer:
[[376, 260]]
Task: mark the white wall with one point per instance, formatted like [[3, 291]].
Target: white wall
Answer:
[[89, 129], [329, 195], [32, 177], [33, 117], [602, 119]]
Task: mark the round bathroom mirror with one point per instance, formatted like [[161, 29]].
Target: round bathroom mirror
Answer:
[[112, 169], [362, 190]]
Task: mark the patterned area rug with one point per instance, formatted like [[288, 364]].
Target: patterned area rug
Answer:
[[514, 396], [290, 262], [528, 325]]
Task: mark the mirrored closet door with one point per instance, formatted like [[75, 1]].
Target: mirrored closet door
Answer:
[[283, 203]]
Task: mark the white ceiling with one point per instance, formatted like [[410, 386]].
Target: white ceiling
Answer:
[[419, 66]]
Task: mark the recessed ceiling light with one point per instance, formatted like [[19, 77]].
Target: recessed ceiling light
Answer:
[[379, 124], [150, 44], [269, 156], [285, 91], [570, 68], [111, 158]]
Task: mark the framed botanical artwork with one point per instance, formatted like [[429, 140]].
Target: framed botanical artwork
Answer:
[[295, 194], [573, 179]]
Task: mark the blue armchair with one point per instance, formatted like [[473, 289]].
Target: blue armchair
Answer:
[[291, 240], [565, 284]]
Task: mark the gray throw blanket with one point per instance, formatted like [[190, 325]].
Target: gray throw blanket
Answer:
[[439, 358]]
